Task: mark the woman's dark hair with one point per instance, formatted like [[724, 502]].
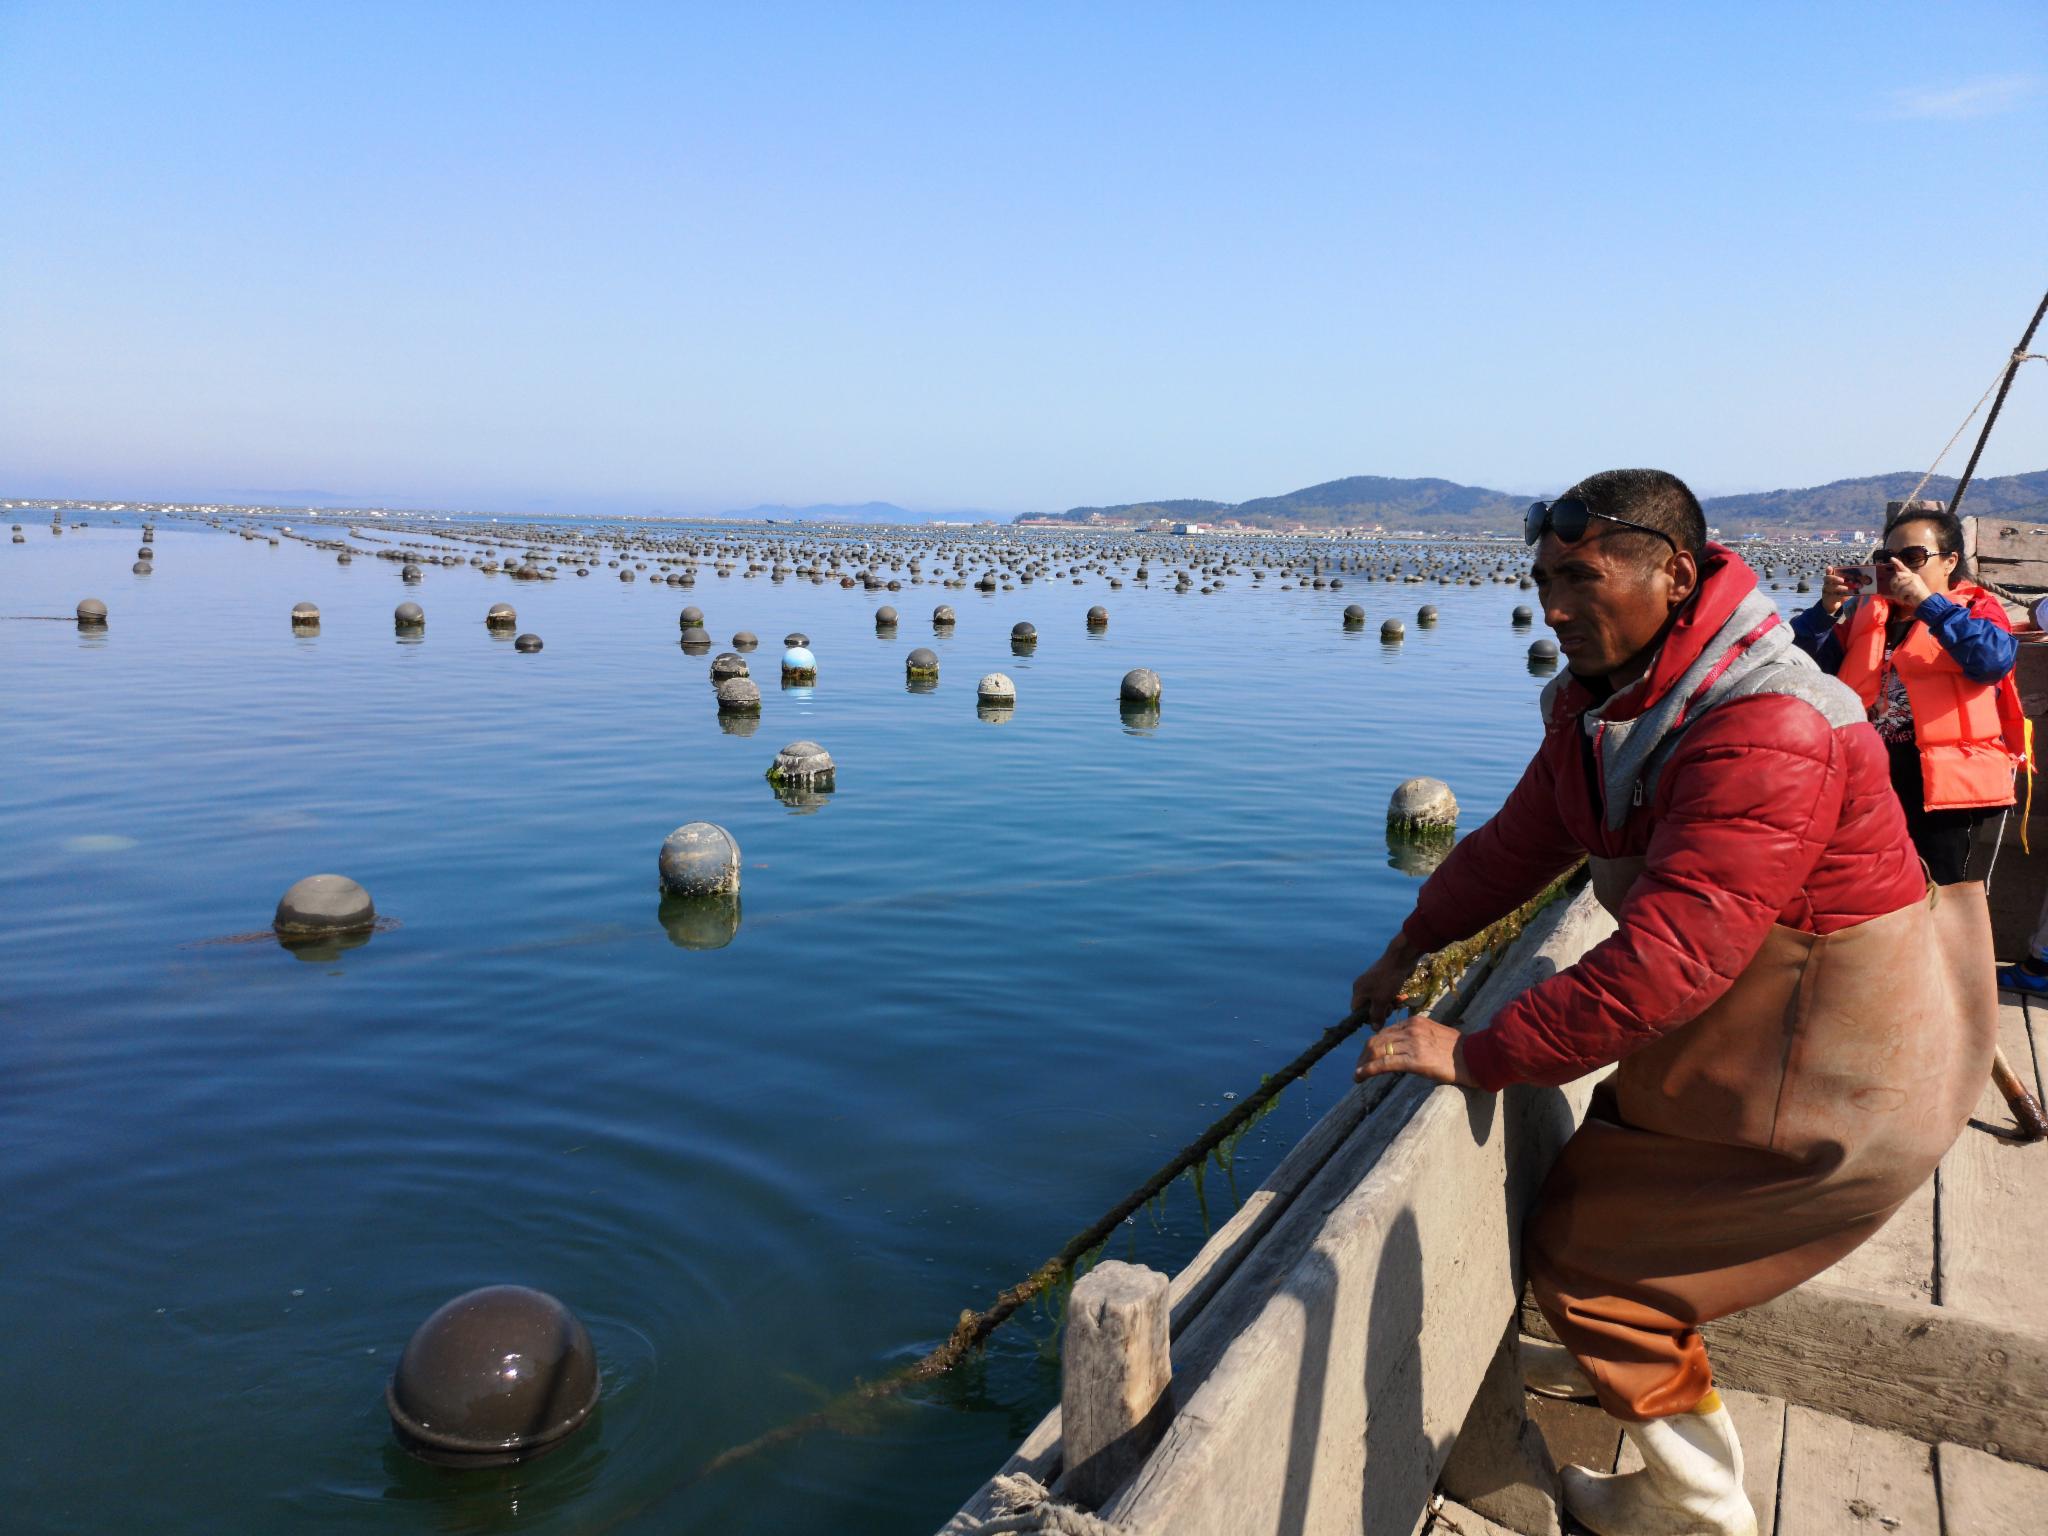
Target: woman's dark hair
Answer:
[[1948, 536]]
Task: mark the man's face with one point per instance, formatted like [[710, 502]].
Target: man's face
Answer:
[[1604, 599]]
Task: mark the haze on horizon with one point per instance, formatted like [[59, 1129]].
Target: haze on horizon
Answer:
[[543, 258]]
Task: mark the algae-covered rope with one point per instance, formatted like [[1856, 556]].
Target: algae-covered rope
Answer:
[[1428, 982]]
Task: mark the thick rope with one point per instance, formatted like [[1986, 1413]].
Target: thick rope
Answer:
[[2012, 366], [1029, 1510]]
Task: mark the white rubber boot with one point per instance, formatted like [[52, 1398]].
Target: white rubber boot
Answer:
[[1549, 1370], [1690, 1483]]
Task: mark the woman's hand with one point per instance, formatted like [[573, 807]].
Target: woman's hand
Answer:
[[1375, 992], [1419, 1045], [1835, 590], [1902, 585]]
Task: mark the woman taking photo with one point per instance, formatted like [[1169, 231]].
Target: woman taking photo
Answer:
[[1931, 657]]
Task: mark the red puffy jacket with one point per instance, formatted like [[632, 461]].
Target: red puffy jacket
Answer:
[[1763, 813]]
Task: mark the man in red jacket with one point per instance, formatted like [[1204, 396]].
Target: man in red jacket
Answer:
[[1801, 1023]]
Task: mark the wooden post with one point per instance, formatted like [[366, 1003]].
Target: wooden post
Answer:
[[1115, 1378], [1499, 1466]]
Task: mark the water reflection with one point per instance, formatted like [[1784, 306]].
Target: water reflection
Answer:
[[739, 724], [802, 799], [920, 685], [1417, 856], [465, 1500], [1139, 719], [1542, 666], [322, 948], [699, 922], [994, 714]]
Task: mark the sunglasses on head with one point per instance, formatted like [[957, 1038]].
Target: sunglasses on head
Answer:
[[1568, 516], [1912, 557]]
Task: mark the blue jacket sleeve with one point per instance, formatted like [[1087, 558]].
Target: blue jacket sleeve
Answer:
[[1814, 633], [1984, 650]]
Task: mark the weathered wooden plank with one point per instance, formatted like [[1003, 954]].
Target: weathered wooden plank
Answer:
[[1899, 1260], [1116, 1382], [1499, 1465], [1983, 1496], [1760, 1426], [1843, 1479], [1454, 1519], [1347, 1366], [1993, 1193]]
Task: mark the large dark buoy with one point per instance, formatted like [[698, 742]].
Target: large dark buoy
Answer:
[[885, 618], [1523, 618], [921, 665], [527, 644], [691, 618], [501, 616], [796, 638], [745, 640], [1354, 617], [1140, 686], [1542, 656], [408, 617], [1023, 633], [700, 859], [323, 905], [1098, 618], [92, 613], [1392, 631], [728, 664], [1425, 616], [696, 641], [942, 617], [305, 616], [497, 1375]]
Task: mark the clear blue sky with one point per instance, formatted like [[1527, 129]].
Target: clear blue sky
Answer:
[[608, 256]]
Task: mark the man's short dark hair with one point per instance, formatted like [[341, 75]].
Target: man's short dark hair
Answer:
[[1655, 498]]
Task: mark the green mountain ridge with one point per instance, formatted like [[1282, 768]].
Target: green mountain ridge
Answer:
[[1367, 501]]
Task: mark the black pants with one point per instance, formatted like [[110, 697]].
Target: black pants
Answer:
[[1942, 837]]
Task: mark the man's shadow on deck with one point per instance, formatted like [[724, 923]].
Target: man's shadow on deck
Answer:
[[1402, 1458]]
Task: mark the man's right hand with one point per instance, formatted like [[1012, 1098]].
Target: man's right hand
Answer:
[[1376, 992], [1835, 590]]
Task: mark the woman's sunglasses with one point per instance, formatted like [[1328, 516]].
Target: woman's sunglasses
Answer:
[[1568, 517], [1912, 557]]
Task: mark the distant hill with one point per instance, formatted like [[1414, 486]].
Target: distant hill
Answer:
[[1366, 501], [1860, 502]]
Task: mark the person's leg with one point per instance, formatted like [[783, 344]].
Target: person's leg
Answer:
[[1944, 839]]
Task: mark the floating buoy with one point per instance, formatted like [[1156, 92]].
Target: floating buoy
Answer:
[[727, 664], [322, 905], [410, 575], [1354, 616], [745, 640], [1098, 618], [140, 568], [527, 644], [1425, 616], [497, 1375], [1023, 633], [798, 664], [802, 765], [305, 616], [1543, 650], [885, 618], [1423, 808], [692, 618], [92, 614], [696, 641], [739, 696], [921, 664], [1392, 631], [408, 616], [1523, 617], [700, 859], [942, 617], [996, 688], [796, 638], [501, 616], [1140, 686]]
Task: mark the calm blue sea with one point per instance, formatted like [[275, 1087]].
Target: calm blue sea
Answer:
[[1003, 972]]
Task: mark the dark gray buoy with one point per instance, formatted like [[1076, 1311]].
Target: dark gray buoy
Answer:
[[1392, 631], [921, 664], [1425, 616], [323, 905], [885, 618], [796, 639], [745, 640], [92, 614], [700, 859], [727, 664], [1523, 618], [497, 1375], [739, 696], [696, 641], [1140, 686], [942, 617], [407, 617], [691, 618], [527, 644], [802, 765], [1025, 633], [305, 616], [141, 568], [1098, 618], [1543, 650], [501, 616], [1354, 617]]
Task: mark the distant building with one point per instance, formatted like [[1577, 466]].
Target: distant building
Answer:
[[1185, 528]]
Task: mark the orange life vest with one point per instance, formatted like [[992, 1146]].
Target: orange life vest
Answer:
[[1971, 736]]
